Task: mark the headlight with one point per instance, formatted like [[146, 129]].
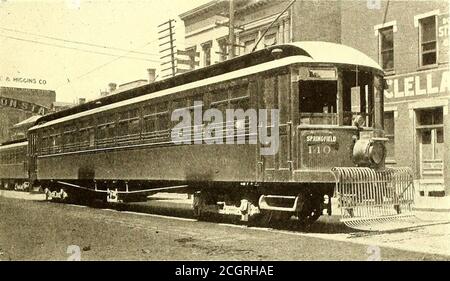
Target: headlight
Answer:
[[377, 152], [368, 152]]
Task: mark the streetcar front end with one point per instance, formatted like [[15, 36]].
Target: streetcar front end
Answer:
[[340, 142]]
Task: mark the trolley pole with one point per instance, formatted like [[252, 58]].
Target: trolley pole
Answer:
[[232, 38]]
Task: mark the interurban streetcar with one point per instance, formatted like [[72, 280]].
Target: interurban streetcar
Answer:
[[329, 100], [14, 165]]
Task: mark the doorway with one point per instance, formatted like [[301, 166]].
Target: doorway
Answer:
[[430, 136]]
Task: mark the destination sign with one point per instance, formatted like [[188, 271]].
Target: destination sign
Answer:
[[321, 139]]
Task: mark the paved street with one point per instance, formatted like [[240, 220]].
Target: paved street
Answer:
[[38, 230]]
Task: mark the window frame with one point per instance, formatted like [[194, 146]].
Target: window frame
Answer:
[[223, 52], [268, 35], [390, 135], [207, 46], [380, 48], [421, 43], [191, 53]]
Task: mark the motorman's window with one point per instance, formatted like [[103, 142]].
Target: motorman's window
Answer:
[[358, 99], [318, 96], [427, 33], [318, 90]]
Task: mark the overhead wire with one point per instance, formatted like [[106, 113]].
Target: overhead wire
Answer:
[[76, 49], [77, 42], [101, 66]]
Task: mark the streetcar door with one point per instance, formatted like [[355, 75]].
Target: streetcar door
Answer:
[[277, 95], [430, 133], [32, 156]]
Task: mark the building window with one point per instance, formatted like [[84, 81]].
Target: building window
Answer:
[[427, 35], [249, 45], [389, 130], [223, 49], [386, 37], [192, 54], [431, 126], [270, 40], [431, 117], [207, 53]]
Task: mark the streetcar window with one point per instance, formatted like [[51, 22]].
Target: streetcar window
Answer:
[[163, 122], [219, 100], [155, 119], [123, 128], [91, 138], [318, 102], [149, 124], [101, 132], [239, 98], [357, 99], [134, 127], [110, 130], [162, 116]]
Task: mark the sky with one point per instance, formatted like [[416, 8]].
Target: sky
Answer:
[[78, 47]]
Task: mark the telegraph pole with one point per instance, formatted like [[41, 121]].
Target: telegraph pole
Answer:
[[167, 37], [172, 53], [231, 37]]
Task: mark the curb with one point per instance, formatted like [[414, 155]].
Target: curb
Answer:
[[424, 209]]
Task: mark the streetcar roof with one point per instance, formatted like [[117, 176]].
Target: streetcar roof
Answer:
[[327, 52], [299, 52], [13, 145]]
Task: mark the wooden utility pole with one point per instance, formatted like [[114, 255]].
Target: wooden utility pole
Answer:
[[231, 37]]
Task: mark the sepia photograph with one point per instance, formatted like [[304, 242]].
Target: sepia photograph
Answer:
[[224, 136]]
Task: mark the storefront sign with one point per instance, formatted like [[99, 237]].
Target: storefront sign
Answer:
[[22, 80], [427, 83], [443, 42], [23, 105]]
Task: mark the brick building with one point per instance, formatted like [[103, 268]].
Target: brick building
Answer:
[[206, 31], [409, 39], [19, 104]]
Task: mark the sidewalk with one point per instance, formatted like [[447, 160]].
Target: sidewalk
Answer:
[[22, 195], [432, 204]]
